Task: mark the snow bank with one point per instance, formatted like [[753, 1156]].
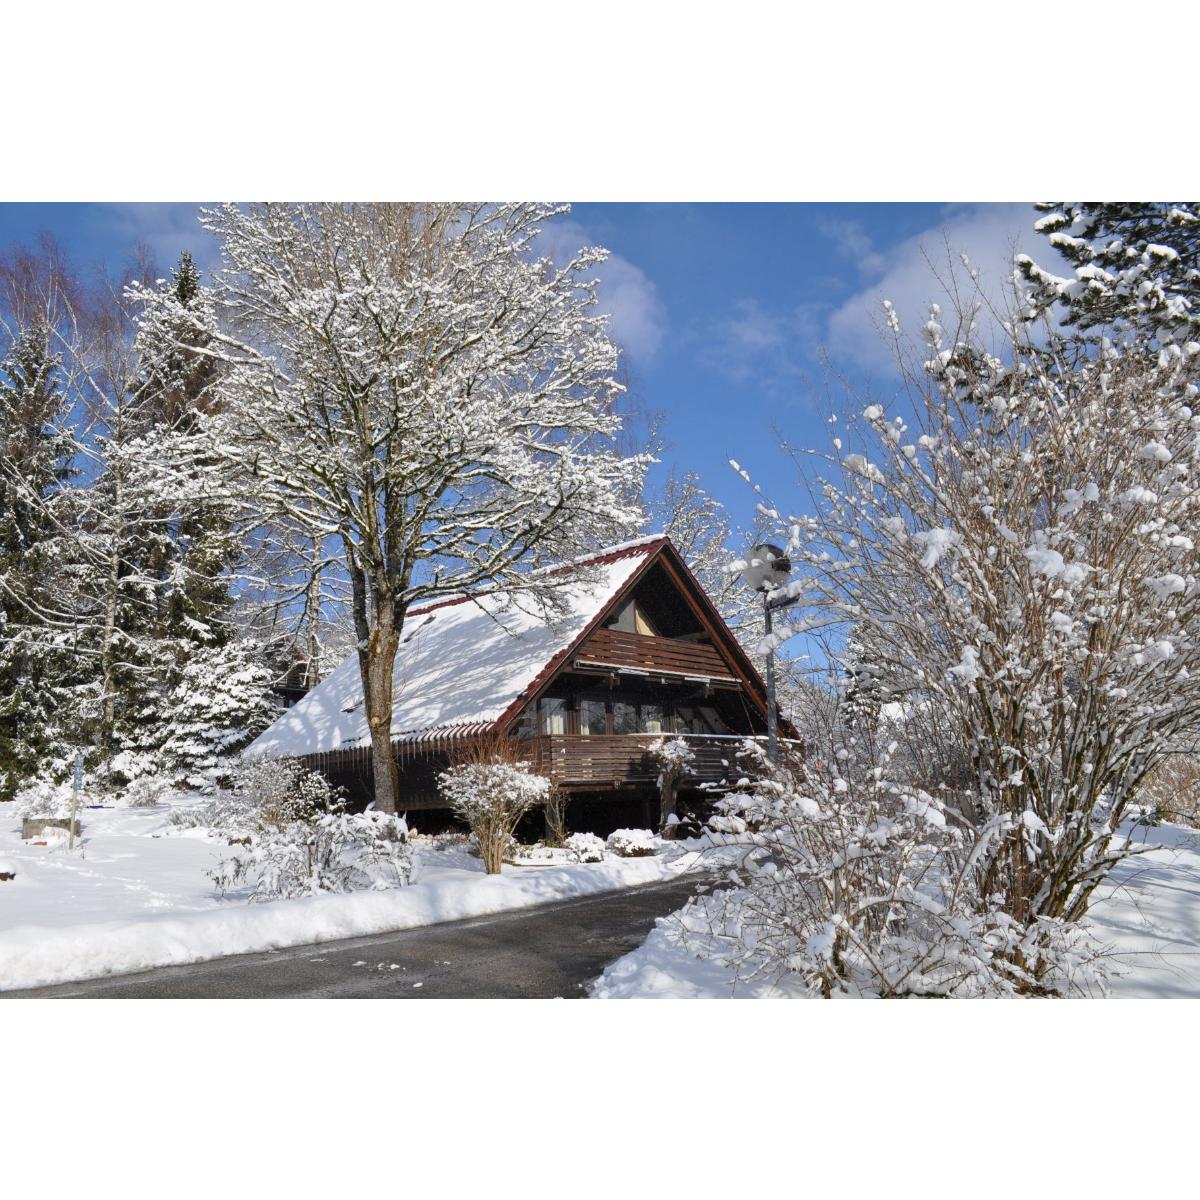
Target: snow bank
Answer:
[[34, 955]]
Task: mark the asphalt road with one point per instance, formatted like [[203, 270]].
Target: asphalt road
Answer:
[[552, 950]]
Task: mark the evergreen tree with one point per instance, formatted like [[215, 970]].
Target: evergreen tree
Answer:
[[220, 704], [35, 454], [1137, 268], [865, 691]]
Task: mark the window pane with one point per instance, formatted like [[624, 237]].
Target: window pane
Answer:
[[527, 723], [624, 717], [554, 716], [652, 718], [592, 717]]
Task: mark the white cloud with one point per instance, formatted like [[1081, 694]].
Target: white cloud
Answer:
[[756, 344], [853, 241], [989, 234], [638, 317]]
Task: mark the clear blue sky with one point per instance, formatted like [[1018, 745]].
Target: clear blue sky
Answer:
[[723, 309]]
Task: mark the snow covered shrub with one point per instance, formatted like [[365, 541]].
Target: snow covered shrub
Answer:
[[147, 791], [1026, 562], [336, 852], [45, 799], [226, 813], [491, 789], [632, 843], [860, 885], [585, 847], [283, 790], [675, 759]]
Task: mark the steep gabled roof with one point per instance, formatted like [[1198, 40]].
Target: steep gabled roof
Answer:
[[463, 664]]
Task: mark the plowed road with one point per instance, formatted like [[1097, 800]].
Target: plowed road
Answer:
[[552, 950]]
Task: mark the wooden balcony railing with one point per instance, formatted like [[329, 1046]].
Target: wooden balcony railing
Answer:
[[610, 648], [615, 760]]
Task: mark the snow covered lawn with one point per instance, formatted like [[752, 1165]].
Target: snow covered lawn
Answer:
[[134, 894], [1149, 913]]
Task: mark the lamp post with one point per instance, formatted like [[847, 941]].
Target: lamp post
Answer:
[[767, 569]]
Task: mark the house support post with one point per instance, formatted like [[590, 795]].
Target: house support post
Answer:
[[772, 734]]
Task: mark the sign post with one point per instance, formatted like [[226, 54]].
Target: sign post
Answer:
[[77, 788]]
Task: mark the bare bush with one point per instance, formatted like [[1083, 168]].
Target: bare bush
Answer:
[[555, 808], [1171, 791], [1024, 563]]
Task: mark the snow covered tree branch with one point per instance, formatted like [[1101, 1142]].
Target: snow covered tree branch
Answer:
[[416, 383]]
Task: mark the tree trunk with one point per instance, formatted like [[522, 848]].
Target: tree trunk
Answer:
[[378, 641], [108, 699], [312, 672], [666, 794], [377, 669]]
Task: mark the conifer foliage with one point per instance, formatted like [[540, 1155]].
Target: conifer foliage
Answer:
[[1137, 266]]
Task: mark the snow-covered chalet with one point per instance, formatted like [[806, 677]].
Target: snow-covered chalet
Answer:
[[641, 652]]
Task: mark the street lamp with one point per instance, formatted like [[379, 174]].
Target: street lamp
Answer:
[[767, 569]]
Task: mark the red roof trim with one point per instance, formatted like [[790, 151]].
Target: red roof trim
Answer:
[[651, 550]]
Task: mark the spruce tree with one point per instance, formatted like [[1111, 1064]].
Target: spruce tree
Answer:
[[1137, 268], [35, 455]]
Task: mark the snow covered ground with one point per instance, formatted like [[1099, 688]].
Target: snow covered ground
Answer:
[[134, 894], [1148, 913]]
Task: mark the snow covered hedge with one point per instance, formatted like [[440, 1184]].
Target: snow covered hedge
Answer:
[[854, 883], [632, 843], [585, 847]]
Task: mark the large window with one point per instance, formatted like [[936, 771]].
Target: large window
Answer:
[[625, 717], [593, 719]]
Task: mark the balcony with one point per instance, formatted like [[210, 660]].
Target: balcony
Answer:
[[582, 762], [664, 660]]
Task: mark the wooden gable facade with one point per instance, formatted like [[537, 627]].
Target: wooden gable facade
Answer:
[[656, 660]]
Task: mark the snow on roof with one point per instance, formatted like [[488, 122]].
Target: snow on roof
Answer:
[[461, 662]]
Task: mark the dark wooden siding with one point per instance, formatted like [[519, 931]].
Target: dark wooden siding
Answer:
[[623, 760], [612, 648]]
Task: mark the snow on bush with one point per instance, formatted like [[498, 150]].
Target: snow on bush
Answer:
[[632, 843], [1047, 653], [335, 852], [45, 799], [585, 847], [860, 885], [146, 791], [266, 794], [491, 795]]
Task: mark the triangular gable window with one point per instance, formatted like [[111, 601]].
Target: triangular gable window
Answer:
[[632, 619]]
